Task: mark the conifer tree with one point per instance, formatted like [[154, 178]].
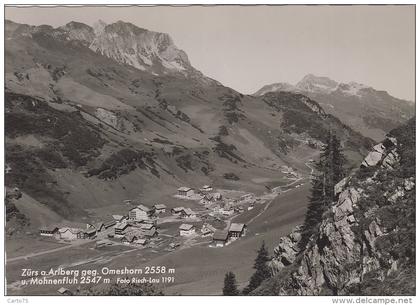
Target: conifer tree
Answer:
[[330, 170], [230, 286], [262, 271]]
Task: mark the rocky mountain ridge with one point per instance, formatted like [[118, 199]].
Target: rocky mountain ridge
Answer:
[[371, 112], [366, 240], [124, 42]]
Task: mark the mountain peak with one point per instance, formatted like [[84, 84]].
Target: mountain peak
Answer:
[[143, 49], [313, 83], [274, 88]]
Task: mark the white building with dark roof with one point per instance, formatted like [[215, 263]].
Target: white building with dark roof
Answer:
[[140, 212], [185, 191], [186, 229], [159, 208]]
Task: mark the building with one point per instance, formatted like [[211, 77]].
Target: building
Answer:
[[178, 211], [152, 221], [150, 233], [147, 226], [237, 230], [188, 213], [48, 231], [109, 221], [91, 233], [186, 229], [207, 230], [120, 228], [220, 238], [159, 208], [131, 236], [207, 197], [185, 191], [70, 233], [141, 242], [140, 213], [206, 188]]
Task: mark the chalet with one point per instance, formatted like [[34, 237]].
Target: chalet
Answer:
[[109, 221], [90, 233], [131, 236], [220, 238], [151, 221], [48, 231], [178, 211], [159, 208], [120, 228], [150, 233], [70, 233], [207, 197], [188, 213], [206, 188], [147, 226], [237, 230], [140, 212], [141, 242], [186, 229], [185, 191], [207, 230]]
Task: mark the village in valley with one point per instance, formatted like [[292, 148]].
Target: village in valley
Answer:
[[157, 226], [180, 219]]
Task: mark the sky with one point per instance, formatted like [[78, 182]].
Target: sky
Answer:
[[247, 47]]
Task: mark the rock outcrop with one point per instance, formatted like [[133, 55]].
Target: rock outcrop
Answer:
[[353, 247]]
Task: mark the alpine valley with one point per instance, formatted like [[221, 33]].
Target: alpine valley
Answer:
[[99, 119]]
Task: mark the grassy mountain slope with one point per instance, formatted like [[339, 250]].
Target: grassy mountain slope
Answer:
[[84, 132]]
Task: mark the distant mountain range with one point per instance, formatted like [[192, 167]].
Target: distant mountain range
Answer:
[[367, 110]]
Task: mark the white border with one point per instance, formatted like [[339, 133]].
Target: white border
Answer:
[[169, 299]]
